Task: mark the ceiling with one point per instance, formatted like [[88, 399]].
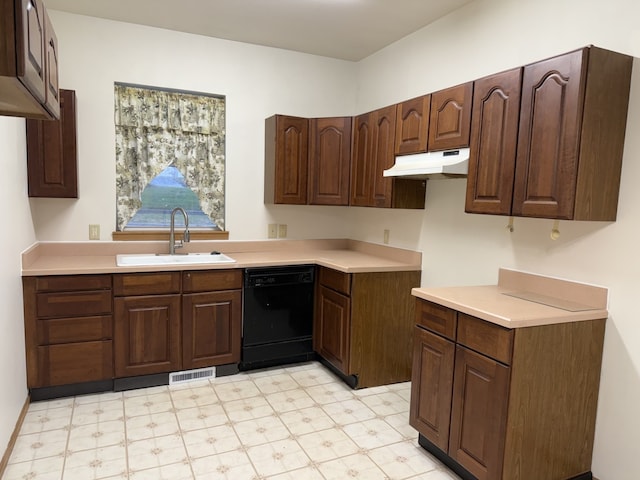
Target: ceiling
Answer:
[[344, 29]]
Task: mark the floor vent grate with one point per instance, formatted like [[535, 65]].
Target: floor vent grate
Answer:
[[192, 375]]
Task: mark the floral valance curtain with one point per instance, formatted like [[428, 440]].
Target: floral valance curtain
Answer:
[[156, 129]]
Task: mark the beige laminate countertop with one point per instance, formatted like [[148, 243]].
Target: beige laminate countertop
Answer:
[[349, 256], [523, 300]]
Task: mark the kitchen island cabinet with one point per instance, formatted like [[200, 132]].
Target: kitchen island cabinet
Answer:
[[498, 403], [363, 325]]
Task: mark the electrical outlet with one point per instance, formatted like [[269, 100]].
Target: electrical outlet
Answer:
[[94, 231], [272, 231], [386, 236], [282, 230]]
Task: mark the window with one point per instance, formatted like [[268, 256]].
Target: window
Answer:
[[170, 152]]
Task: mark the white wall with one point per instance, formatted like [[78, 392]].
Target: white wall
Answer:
[[487, 37], [17, 235], [481, 38], [258, 82]]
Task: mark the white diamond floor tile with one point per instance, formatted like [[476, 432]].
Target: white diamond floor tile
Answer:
[[298, 422]]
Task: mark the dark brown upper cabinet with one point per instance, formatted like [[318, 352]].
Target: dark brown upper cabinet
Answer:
[[494, 137], [571, 135], [52, 153], [329, 161], [28, 61], [286, 159], [307, 160], [412, 125], [450, 117], [373, 152]]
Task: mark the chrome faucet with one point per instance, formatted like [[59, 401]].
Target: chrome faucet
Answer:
[[172, 236]]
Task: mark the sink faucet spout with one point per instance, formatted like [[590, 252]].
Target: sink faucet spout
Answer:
[[173, 244]]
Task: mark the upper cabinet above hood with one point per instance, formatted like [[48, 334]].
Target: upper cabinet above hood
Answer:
[[444, 164]]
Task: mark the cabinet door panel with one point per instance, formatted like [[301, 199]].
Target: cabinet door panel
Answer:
[[412, 125], [479, 414], [334, 328], [360, 161], [431, 386], [147, 335], [550, 119], [51, 152], [31, 66], [494, 136], [52, 90], [212, 324], [329, 161], [292, 147], [450, 121], [74, 363], [383, 156]]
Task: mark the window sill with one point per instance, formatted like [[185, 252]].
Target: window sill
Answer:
[[149, 235]]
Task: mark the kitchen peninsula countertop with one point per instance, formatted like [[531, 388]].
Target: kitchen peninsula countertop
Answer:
[[349, 256], [523, 300]]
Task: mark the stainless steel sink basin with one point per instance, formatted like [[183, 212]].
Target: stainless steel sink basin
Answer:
[[132, 260]]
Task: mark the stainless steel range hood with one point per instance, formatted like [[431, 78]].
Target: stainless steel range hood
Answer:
[[444, 164]]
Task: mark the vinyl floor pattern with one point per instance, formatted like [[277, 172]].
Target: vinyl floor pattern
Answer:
[[298, 422]]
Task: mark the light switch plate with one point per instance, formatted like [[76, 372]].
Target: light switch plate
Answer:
[[282, 230], [94, 231], [272, 231]]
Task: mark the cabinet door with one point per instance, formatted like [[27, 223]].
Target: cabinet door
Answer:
[[550, 119], [360, 163], [333, 329], [479, 414], [286, 155], [147, 336], [329, 161], [412, 125], [52, 90], [51, 152], [494, 137], [384, 131], [450, 120], [30, 21], [211, 328], [431, 386]]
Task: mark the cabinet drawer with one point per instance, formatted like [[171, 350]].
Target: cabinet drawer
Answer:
[[73, 304], [146, 283], [67, 283], [70, 330], [485, 337], [211, 280], [75, 363], [437, 318], [335, 280]]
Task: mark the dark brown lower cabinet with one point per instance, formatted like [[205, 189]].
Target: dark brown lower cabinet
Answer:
[[506, 404], [147, 335], [334, 327], [211, 328], [68, 329], [363, 324]]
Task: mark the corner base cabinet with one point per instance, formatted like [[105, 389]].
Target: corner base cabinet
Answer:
[[505, 404], [363, 325]]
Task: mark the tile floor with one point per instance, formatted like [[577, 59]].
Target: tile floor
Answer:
[[296, 422]]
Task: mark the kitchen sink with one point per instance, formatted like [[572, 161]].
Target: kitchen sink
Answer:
[[130, 260]]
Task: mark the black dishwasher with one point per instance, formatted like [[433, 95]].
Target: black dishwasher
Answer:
[[277, 322]]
